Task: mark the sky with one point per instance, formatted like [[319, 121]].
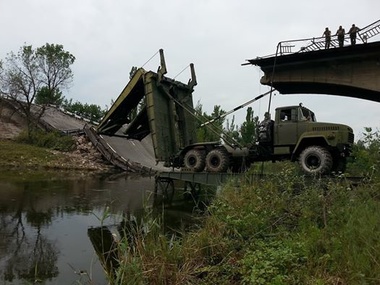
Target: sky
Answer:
[[109, 37]]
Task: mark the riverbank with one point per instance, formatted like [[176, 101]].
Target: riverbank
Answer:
[[286, 230], [14, 155]]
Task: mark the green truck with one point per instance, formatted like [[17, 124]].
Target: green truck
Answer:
[[294, 134]]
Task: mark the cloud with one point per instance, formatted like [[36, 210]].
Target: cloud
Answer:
[[109, 37]]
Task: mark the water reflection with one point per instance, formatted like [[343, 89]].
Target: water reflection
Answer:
[[44, 222], [47, 221]]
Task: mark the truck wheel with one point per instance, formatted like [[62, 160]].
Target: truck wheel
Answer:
[[217, 160], [315, 160], [194, 160]]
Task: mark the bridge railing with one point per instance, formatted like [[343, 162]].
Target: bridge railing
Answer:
[[318, 43], [369, 31]]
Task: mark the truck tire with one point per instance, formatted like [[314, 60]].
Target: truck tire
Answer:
[[315, 160], [217, 160], [194, 160]]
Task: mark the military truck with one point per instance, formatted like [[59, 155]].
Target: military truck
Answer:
[[294, 134]]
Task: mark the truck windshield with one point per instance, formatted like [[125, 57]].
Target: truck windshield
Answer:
[[307, 115]]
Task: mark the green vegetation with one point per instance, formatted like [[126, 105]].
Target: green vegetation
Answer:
[[35, 161], [45, 96], [282, 229], [90, 111], [35, 73], [289, 230], [366, 154], [25, 156], [51, 140], [36, 76]]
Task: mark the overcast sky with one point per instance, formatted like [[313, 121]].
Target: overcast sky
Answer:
[[108, 37]]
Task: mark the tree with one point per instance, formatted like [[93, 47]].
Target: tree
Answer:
[[30, 71], [212, 131], [46, 96], [232, 130], [248, 128], [92, 112]]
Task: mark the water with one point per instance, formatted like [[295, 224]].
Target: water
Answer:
[[44, 224]]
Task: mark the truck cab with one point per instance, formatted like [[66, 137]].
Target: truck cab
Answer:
[[318, 147]]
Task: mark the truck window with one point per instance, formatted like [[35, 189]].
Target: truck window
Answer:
[[306, 115], [286, 115]]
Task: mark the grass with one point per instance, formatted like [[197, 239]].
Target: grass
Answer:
[[289, 230], [33, 162], [14, 154]]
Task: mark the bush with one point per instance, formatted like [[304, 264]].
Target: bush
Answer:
[[366, 154], [282, 229], [52, 140]]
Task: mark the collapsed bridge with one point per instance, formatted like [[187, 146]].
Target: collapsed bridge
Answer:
[[153, 117]]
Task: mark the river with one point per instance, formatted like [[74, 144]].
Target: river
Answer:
[[44, 223]]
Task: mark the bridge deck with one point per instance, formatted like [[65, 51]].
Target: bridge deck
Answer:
[[350, 71]]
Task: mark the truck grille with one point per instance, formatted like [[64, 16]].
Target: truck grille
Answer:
[[327, 128], [351, 137]]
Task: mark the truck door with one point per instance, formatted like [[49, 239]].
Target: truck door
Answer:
[[286, 129]]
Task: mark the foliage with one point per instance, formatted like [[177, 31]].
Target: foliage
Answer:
[[92, 112], [248, 128], [244, 134], [32, 161], [45, 96], [213, 131], [288, 229], [366, 154], [270, 262], [26, 73], [54, 64], [51, 140], [232, 130]]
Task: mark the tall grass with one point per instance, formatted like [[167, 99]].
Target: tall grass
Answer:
[[52, 140], [286, 230]]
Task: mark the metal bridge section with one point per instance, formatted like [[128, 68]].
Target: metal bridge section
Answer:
[[163, 108], [352, 70]]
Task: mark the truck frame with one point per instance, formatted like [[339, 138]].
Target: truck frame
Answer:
[[295, 135]]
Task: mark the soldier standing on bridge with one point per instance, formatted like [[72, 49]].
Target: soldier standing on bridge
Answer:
[[340, 33], [327, 34], [352, 33]]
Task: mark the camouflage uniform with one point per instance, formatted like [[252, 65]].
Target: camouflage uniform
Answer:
[[340, 33], [327, 34], [352, 33]]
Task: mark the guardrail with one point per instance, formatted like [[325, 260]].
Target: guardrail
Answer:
[[318, 43]]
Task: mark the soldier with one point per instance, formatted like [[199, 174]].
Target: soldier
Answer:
[[265, 130], [340, 33], [327, 34], [352, 33]]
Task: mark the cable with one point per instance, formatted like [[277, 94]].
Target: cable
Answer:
[[150, 58], [181, 71]]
